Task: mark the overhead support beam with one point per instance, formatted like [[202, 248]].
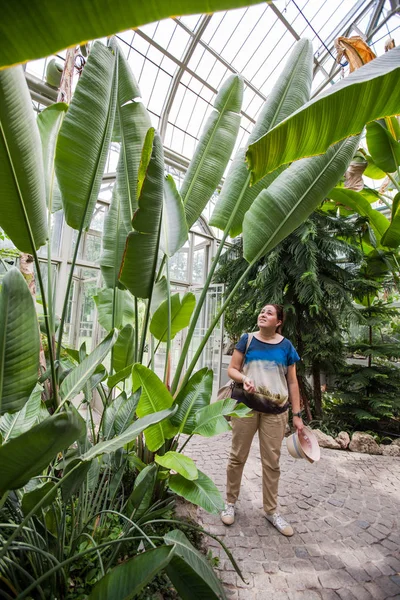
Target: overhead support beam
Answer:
[[369, 38], [178, 75], [294, 33], [376, 14], [343, 28]]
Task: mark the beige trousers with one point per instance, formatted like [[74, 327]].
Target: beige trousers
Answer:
[[271, 431]]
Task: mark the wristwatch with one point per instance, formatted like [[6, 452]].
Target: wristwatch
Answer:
[[298, 414]]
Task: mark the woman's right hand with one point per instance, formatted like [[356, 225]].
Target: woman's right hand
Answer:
[[248, 386]]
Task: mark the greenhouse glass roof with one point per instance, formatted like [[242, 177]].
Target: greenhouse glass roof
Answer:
[[181, 62]]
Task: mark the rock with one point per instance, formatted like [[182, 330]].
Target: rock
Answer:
[[363, 442], [396, 442], [326, 441], [343, 439], [391, 450]]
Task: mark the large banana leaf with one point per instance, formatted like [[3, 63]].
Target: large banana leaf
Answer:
[[290, 92], [33, 29], [32, 498], [213, 150], [78, 377], [181, 312], [123, 349], [358, 202], [201, 491], [383, 147], [211, 421], [391, 238], [30, 453], [134, 122], [195, 395], [178, 462], [128, 435], [367, 94], [127, 579], [120, 376], [119, 415], [141, 251], [160, 293], [12, 425], [109, 416], [190, 572], [292, 197], [84, 137], [49, 122], [23, 206], [141, 496], [19, 343], [113, 240], [124, 308], [154, 397], [174, 229]]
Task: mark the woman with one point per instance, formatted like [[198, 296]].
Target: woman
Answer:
[[265, 376]]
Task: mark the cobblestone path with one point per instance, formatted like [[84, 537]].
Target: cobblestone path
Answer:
[[346, 514]]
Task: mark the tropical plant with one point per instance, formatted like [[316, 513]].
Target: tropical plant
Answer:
[[146, 225]]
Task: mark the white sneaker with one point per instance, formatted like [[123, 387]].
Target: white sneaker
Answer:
[[228, 515], [279, 522]]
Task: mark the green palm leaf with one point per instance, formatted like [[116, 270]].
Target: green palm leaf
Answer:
[[367, 94], [358, 202], [130, 577], [180, 463], [141, 250], [174, 229], [391, 238], [84, 137], [290, 92], [19, 343], [134, 123], [190, 572], [23, 23], [125, 413], [383, 147], [128, 435], [49, 122], [181, 312], [12, 425], [113, 240], [78, 377], [154, 397], [292, 197], [23, 209], [211, 421], [29, 454], [124, 308], [201, 491], [213, 150], [123, 349], [195, 395]]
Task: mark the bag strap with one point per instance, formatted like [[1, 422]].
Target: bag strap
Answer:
[[249, 338]]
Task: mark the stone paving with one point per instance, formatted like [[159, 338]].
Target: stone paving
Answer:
[[346, 514]]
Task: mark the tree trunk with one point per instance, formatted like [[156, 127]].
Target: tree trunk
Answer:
[[65, 91], [304, 399], [316, 373], [26, 266]]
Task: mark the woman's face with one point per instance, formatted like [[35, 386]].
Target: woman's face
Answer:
[[268, 317]]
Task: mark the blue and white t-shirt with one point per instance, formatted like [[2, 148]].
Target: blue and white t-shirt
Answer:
[[266, 365]]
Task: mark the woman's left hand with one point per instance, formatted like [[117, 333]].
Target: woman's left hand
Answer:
[[298, 423]]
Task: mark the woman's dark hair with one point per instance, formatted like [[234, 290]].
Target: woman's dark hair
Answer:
[[279, 313]]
